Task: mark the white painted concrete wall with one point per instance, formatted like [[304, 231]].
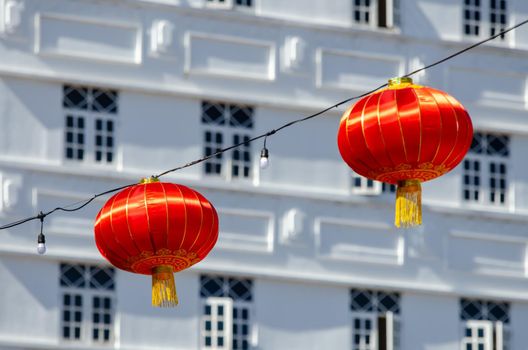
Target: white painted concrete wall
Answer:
[[301, 284]]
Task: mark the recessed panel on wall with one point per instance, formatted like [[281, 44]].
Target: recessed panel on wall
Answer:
[[245, 230], [498, 255], [339, 239], [87, 38], [229, 56], [353, 70], [487, 87]]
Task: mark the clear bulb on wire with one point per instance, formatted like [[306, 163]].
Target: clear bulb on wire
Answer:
[[41, 244], [264, 158]]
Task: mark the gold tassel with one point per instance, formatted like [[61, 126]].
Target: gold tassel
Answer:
[[163, 287], [408, 204]]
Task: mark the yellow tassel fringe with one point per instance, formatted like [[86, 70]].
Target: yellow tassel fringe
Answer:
[[408, 204], [163, 287]]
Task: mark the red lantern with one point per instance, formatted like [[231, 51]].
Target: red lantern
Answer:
[[404, 135], [156, 228]]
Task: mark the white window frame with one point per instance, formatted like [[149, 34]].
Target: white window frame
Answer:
[[391, 14], [392, 335], [484, 188], [373, 318], [474, 340], [90, 132], [365, 190], [87, 325], [216, 4], [214, 333], [485, 24], [228, 5], [228, 132]]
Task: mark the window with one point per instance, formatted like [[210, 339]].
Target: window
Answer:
[[226, 313], [375, 320], [485, 324], [497, 17], [87, 297], [89, 123], [377, 13], [365, 186], [226, 125], [477, 11], [228, 4], [485, 169]]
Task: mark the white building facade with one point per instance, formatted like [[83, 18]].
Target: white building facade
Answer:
[[96, 94]]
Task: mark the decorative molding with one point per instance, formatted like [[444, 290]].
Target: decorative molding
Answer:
[[11, 16], [345, 70], [240, 230], [292, 226], [293, 54], [220, 55], [362, 241], [100, 46], [161, 36], [479, 253]]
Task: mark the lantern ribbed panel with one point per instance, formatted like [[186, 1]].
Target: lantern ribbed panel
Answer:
[[156, 224], [408, 132]]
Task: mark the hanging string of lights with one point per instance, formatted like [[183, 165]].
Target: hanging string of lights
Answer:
[[264, 156]]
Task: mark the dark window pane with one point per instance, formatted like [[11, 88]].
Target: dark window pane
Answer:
[[96, 334], [77, 333], [66, 332]]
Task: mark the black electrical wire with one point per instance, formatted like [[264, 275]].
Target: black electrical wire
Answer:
[[81, 204]]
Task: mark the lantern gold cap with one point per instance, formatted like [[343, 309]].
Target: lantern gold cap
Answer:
[[399, 80], [148, 180]]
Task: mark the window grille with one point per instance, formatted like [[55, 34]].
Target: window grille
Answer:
[[485, 170], [87, 295], [89, 123], [376, 13], [231, 123], [227, 309], [485, 324], [375, 319], [483, 17]]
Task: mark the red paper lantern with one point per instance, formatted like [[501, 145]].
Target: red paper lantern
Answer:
[[156, 228], [404, 135]]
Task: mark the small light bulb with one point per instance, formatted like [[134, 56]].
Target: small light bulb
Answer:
[[41, 246], [264, 158]]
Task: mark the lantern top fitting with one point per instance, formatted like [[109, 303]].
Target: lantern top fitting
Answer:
[[149, 180], [400, 83]]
